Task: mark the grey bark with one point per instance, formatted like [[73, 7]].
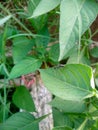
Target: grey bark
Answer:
[[42, 97]]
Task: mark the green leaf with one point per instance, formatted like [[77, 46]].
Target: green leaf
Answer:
[[71, 82], [3, 70], [63, 119], [5, 19], [94, 52], [23, 99], [21, 121], [54, 52], [76, 16], [32, 4], [11, 31], [78, 58], [41, 42], [26, 66], [45, 6], [68, 106], [21, 46], [62, 128]]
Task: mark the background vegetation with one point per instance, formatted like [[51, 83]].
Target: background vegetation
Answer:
[[58, 41]]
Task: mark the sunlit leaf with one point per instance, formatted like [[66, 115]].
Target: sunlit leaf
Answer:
[[5, 19], [75, 18], [71, 82], [45, 6], [25, 66]]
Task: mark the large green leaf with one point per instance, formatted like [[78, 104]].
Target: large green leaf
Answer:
[[21, 46], [45, 6], [21, 121], [68, 106], [23, 99], [71, 82], [5, 19], [76, 16], [28, 65]]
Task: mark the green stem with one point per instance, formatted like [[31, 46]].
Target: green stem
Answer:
[[3, 45], [46, 66], [5, 101], [94, 33], [94, 64]]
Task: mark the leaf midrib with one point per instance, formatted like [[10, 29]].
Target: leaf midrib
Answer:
[[75, 20]]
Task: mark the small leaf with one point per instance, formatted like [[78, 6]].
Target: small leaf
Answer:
[[45, 6], [54, 52], [26, 66], [20, 121], [23, 99], [41, 42], [71, 82], [21, 46], [5, 19]]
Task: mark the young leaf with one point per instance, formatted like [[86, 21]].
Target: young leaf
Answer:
[[45, 6], [76, 17], [26, 66], [21, 121], [21, 46], [5, 19], [23, 99], [71, 82]]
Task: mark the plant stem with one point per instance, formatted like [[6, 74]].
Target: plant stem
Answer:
[[3, 45], [4, 104]]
